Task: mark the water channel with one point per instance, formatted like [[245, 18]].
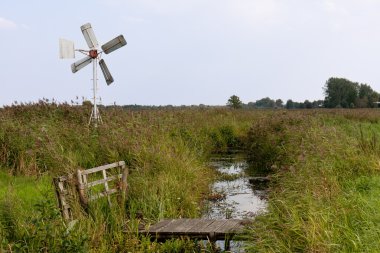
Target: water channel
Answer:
[[232, 195]]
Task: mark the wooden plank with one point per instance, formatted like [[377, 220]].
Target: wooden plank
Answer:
[[196, 223], [212, 227], [101, 181], [180, 226], [157, 227], [196, 228], [175, 228], [106, 187], [172, 226], [231, 226], [105, 180], [202, 230], [104, 167], [200, 225]]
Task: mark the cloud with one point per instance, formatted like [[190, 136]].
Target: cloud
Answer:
[[6, 24]]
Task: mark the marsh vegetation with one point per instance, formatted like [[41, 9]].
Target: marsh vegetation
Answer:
[[324, 167]]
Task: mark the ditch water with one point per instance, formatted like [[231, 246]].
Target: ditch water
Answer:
[[233, 195]]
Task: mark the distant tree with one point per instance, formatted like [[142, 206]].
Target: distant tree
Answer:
[[279, 103], [340, 92], [234, 102], [317, 103], [365, 90], [362, 102], [265, 103], [367, 97], [251, 105], [289, 104], [308, 104], [374, 98]]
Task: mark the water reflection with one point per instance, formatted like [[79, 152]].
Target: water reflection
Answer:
[[235, 197]]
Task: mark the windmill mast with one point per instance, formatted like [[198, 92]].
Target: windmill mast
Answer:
[[95, 115]]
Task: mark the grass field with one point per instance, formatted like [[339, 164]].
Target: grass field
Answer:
[[326, 172], [324, 166], [166, 152]]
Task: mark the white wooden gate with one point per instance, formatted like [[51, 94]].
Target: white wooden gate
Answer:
[[102, 181]]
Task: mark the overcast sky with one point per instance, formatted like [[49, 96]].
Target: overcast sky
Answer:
[[185, 52]]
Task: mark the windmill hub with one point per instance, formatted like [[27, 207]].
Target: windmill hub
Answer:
[[93, 53]]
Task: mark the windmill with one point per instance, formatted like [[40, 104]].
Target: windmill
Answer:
[[93, 54]]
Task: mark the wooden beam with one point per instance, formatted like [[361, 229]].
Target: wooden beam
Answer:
[[102, 181], [104, 167]]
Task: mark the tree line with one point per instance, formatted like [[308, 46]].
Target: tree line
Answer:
[[339, 93]]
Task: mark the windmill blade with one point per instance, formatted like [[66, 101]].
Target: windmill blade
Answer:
[[66, 49], [106, 72], [89, 36], [81, 64], [114, 44]]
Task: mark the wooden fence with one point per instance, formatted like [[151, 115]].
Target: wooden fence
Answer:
[[92, 184]]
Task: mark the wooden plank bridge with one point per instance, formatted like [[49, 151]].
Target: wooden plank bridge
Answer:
[[206, 229], [202, 229]]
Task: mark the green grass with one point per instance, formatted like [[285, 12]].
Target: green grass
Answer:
[[324, 195], [324, 165], [24, 187], [165, 150]]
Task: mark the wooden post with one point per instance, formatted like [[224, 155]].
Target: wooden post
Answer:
[[82, 191], [124, 184], [227, 242], [212, 240], [106, 188], [59, 183]]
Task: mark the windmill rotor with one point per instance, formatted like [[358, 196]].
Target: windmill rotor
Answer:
[[80, 64], [93, 54], [106, 72], [114, 44]]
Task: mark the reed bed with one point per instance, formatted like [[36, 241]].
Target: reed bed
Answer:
[[324, 167], [166, 151], [326, 174]]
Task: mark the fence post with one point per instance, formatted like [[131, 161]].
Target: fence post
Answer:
[[61, 192], [82, 191], [124, 183]]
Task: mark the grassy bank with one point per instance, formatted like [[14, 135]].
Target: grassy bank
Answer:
[[326, 181], [165, 150]]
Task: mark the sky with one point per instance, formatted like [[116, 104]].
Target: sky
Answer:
[[189, 52]]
